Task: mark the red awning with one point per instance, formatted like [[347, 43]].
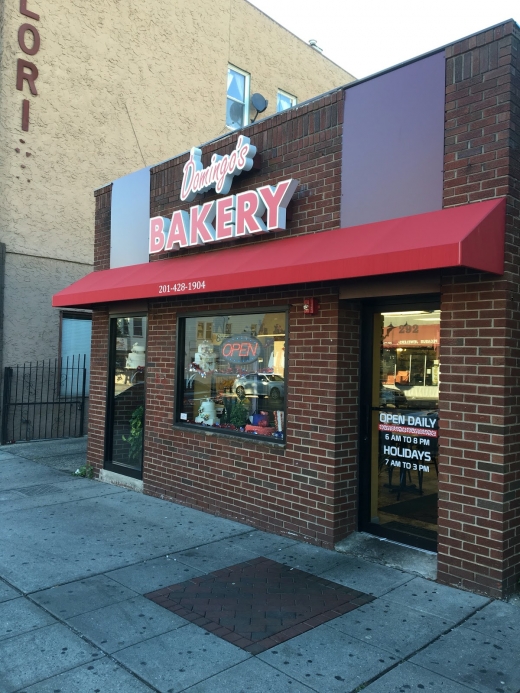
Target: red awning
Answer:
[[466, 236]]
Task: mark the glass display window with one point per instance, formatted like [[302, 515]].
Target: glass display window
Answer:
[[232, 373]]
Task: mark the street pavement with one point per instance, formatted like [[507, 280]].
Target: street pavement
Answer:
[[77, 556]]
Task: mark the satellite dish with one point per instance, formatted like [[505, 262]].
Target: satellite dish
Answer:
[[259, 103]]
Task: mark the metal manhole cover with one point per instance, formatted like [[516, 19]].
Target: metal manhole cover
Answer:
[[39, 490]]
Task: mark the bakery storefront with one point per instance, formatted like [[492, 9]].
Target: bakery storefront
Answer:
[[308, 325]]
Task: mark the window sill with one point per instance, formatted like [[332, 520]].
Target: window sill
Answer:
[[277, 443]]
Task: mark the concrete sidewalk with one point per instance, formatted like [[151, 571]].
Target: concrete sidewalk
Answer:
[[77, 556]]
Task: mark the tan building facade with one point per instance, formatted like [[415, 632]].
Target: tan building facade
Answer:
[[91, 91]]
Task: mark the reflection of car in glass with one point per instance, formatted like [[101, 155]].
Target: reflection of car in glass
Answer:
[[390, 397], [262, 384]]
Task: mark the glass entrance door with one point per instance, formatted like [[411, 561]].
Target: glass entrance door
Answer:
[[402, 441], [126, 396]]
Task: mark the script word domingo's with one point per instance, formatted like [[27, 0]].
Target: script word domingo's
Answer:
[[219, 174], [220, 220]]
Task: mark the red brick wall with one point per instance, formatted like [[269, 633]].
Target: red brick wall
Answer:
[[103, 199], [479, 481], [306, 488], [98, 389], [347, 412], [304, 144], [309, 487]]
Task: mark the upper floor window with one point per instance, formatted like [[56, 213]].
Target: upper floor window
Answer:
[[237, 105], [284, 101]]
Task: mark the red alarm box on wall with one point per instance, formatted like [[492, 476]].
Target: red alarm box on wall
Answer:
[[310, 306]]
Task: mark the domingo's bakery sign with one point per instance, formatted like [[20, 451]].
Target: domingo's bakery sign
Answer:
[[229, 217]]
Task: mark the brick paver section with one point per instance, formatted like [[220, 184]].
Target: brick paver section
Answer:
[[259, 603]]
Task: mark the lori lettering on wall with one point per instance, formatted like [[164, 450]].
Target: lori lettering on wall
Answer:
[[27, 71]]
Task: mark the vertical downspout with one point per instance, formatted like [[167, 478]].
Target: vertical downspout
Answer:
[[2, 284], [5, 76]]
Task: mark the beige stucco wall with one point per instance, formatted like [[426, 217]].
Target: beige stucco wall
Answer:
[[122, 84], [29, 281], [276, 59]]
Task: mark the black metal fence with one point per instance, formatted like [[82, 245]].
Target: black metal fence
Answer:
[[45, 399]]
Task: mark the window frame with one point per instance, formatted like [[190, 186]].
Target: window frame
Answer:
[[366, 374], [247, 96], [180, 374], [108, 462], [75, 315], [293, 99]]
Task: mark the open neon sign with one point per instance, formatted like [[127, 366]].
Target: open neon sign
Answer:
[[241, 349]]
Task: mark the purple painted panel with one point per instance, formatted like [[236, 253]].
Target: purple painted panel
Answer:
[[393, 144]]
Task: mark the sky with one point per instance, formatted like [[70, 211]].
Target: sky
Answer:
[[367, 36]]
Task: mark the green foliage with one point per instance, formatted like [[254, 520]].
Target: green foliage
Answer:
[[239, 414], [135, 439], [86, 470]]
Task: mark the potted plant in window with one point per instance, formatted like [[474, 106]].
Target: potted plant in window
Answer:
[[135, 439]]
